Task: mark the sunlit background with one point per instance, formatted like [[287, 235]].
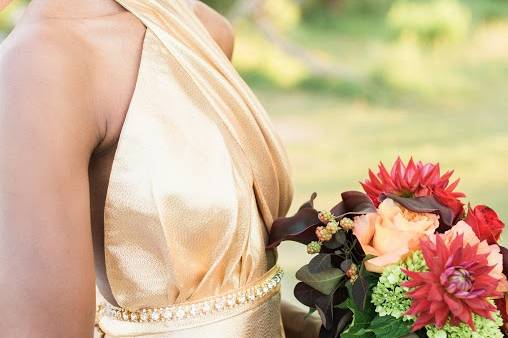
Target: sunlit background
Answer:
[[352, 82]]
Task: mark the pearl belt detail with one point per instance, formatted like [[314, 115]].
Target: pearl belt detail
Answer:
[[268, 285]]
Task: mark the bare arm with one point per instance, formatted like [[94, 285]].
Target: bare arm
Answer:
[[47, 280]]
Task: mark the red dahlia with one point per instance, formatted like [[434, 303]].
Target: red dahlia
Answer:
[[414, 180], [457, 284]]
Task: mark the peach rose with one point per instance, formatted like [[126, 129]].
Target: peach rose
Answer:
[[495, 258], [390, 232]]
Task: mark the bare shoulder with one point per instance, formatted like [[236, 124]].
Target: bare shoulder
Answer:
[[41, 61], [74, 63], [42, 52], [218, 26], [43, 71]]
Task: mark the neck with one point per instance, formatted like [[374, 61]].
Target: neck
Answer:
[[75, 8]]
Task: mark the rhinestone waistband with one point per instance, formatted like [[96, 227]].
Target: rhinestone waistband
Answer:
[[267, 286]]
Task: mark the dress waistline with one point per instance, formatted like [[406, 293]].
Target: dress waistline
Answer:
[[180, 316]]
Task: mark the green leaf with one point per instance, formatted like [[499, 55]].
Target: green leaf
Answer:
[[366, 322], [360, 292], [362, 287], [320, 263], [361, 321], [387, 327], [371, 278], [325, 281]]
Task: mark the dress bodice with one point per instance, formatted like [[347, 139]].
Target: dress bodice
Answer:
[[198, 174]]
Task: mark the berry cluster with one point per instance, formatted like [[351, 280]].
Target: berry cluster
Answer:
[[325, 233]]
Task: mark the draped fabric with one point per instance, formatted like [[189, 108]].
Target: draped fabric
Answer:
[[197, 179]]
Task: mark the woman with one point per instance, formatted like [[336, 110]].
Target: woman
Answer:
[[132, 152]]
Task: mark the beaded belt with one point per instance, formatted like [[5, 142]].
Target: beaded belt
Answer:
[[250, 294]]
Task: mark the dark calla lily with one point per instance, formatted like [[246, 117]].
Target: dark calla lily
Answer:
[[299, 228], [353, 203], [302, 226]]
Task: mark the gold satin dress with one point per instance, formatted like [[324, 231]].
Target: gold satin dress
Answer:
[[197, 179]]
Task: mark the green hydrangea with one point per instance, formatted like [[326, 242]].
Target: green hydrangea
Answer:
[[388, 295], [390, 299], [485, 328]]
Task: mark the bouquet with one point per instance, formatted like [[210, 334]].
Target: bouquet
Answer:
[[404, 259]]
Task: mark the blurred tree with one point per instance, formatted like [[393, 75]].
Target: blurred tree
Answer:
[[264, 14], [312, 6], [430, 21]]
